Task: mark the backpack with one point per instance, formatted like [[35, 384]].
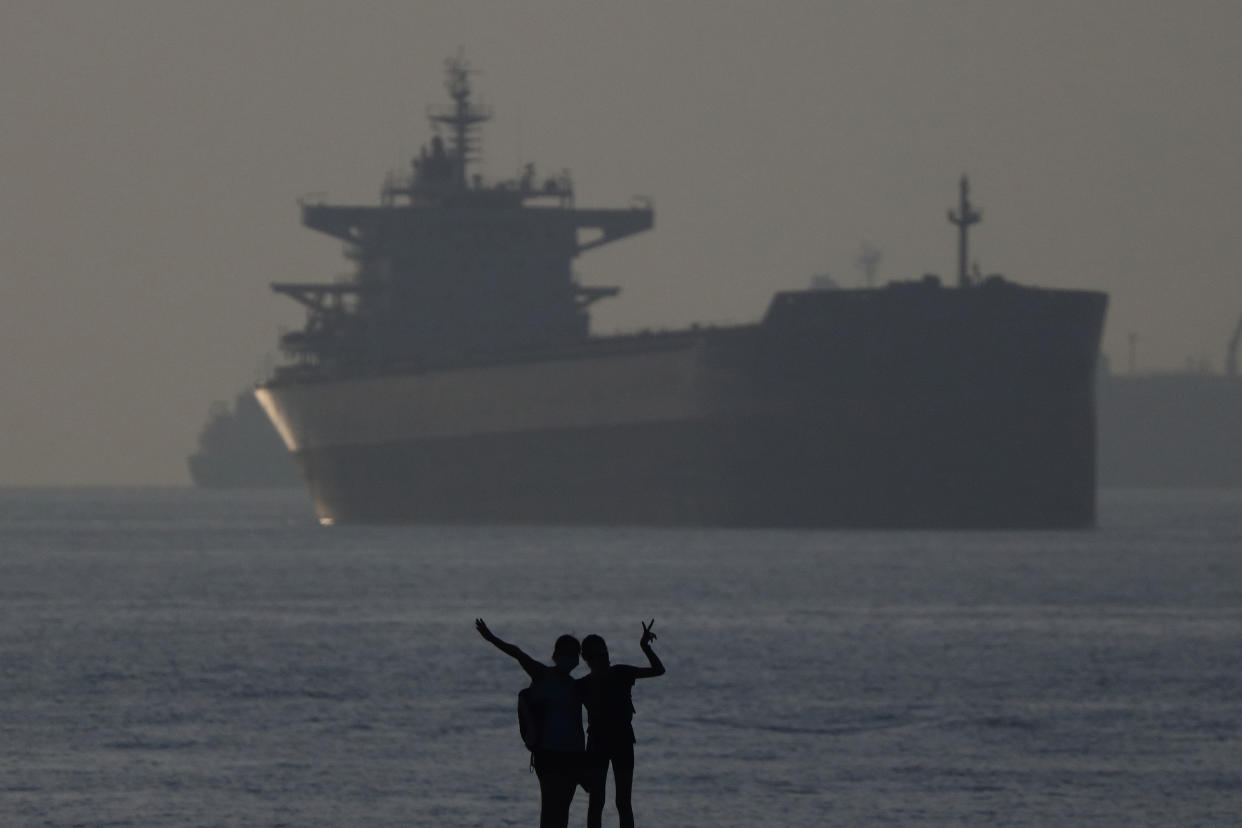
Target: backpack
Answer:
[[530, 717]]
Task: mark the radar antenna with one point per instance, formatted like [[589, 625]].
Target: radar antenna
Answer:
[[462, 118], [963, 218]]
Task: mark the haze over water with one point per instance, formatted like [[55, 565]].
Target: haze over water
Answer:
[[185, 658], [154, 152]]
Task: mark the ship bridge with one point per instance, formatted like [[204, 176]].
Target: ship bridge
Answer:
[[447, 264], [591, 228]]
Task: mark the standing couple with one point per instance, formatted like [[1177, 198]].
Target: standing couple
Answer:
[[558, 753]]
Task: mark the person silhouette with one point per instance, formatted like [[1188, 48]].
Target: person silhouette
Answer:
[[558, 755], [605, 693]]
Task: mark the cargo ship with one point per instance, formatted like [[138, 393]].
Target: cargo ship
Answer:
[[1170, 430], [453, 378], [239, 449], [1156, 430]]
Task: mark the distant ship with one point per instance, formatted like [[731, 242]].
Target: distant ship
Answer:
[[239, 449], [453, 378], [1170, 430]]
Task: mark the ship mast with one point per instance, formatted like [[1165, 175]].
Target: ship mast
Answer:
[[462, 119], [963, 218]]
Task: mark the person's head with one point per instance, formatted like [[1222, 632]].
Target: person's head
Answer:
[[565, 652], [595, 652]]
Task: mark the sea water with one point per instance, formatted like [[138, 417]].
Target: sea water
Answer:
[[186, 658]]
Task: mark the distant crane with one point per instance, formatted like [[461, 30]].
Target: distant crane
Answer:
[[868, 261], [1231, 353]]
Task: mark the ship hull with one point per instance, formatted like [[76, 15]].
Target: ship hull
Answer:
[[929, 408], [671, 474]]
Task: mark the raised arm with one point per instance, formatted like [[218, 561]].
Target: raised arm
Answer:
[[533, 668], [657, 666]]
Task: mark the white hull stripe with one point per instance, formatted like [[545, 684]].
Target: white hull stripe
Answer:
[[662, 386]]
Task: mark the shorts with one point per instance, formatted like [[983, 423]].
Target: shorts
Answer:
[[619, 753]]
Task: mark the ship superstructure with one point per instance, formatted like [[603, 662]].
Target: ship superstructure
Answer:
[[449, 265], [453, 379]]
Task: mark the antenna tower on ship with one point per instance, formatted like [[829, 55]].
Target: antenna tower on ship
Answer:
[[463, 118], [963, 218]]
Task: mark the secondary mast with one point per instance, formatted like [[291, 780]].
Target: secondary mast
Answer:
[[963, 218]]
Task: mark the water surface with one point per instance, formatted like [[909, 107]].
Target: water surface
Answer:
[[183, 658]]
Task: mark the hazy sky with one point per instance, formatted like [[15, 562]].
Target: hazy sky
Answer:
[[153, 153]]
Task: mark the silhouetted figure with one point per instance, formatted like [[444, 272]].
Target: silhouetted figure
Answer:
[[610, 713], [558, 753]]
